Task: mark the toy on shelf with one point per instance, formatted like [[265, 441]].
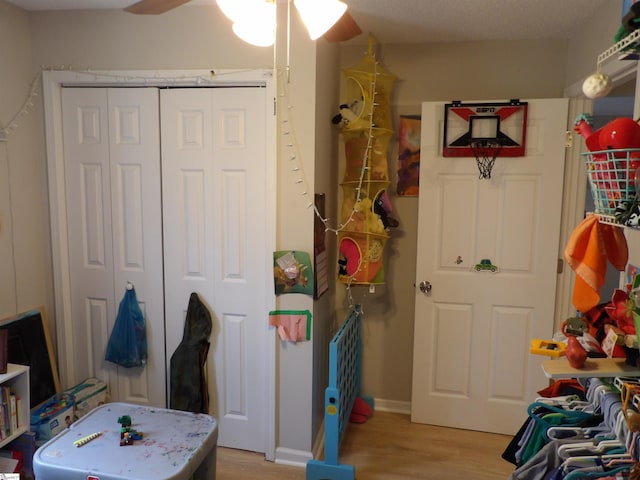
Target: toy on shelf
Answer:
[[365, 122], [576, 354], [583, 125], [613, 166], [548, 348], [127, 433], [630, 23]]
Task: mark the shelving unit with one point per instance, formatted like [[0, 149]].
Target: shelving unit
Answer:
[[17, 378], [594, 367], [629, 41]]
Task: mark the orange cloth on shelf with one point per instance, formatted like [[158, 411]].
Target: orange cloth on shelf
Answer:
[[590, 246]]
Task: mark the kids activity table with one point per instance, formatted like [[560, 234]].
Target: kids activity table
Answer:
[[175, 445]]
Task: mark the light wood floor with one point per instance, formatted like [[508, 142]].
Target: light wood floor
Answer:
[[388, 446]]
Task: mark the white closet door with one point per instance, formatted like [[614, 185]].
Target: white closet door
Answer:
[[136, 207], [214, 196], [112, 173]]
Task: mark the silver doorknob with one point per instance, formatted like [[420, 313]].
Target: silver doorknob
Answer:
[[425, 287]]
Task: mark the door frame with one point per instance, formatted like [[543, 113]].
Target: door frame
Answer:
[[52, 84]]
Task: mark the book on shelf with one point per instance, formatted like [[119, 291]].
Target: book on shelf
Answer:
[[6, 404], [3, 421], [10, 412], [13, 413], [20, 410]]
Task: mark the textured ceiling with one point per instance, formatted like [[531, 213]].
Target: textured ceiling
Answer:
[[422, 21]]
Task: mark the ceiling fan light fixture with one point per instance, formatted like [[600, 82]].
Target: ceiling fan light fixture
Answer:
[[319, 15], [237, 10], [258, 28]]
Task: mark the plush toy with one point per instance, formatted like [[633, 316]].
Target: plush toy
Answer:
[[360, 411], [382, 208], [597, 85], [348, 117], [619, 133], [364, 219], [583, 125], [621, 311], [627, 212], [345, 117], [360, 257]]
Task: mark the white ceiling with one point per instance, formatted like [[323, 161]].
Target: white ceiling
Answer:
[[424, 21]]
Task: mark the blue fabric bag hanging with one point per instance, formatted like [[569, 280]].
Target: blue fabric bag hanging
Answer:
[[127, 344]]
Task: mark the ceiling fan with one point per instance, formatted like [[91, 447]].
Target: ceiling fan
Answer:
[[344, 29]]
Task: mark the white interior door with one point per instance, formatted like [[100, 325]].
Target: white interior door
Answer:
[[215, 198], [472, 368], [112, 174]]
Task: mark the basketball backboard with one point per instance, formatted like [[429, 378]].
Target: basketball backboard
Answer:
[[502, 122]]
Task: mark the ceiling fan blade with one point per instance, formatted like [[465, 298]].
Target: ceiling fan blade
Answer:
[[344, 29], [154, 6]]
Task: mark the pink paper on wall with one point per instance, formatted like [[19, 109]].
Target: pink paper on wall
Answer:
[[292, 325]]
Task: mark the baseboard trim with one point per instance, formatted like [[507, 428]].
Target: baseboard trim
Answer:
[[393, 406], [292, 457]]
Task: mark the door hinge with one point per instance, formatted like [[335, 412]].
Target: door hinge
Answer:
[[560, 266], [568, 139]]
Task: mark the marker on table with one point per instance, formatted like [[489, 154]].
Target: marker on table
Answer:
[[87, 439]]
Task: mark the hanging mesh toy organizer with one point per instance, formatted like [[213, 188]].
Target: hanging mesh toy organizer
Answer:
[[366, 136], [612, 178]]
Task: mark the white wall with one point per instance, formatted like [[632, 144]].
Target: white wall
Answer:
[[25, 259], [183, 38]]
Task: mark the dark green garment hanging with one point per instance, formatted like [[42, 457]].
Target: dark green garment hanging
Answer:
[[188, 389]]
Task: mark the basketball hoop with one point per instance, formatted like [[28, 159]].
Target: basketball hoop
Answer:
[[485, 150]]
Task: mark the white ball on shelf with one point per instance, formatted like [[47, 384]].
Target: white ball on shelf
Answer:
[[597, 85]]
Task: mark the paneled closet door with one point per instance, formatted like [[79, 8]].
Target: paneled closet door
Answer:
[[214, 169], [114, 217]]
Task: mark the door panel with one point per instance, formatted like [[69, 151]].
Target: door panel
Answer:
[[472, 367], [112, 168], [241, 298], [88, 197], [137, 228], [214, 166]]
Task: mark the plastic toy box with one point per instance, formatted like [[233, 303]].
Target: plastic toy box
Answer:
[[88, 395], [52, 416], [175, 445]]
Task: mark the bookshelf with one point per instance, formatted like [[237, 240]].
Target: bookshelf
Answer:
[[17, 379]]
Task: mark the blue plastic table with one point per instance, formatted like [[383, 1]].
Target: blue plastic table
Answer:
[[175, 445]]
